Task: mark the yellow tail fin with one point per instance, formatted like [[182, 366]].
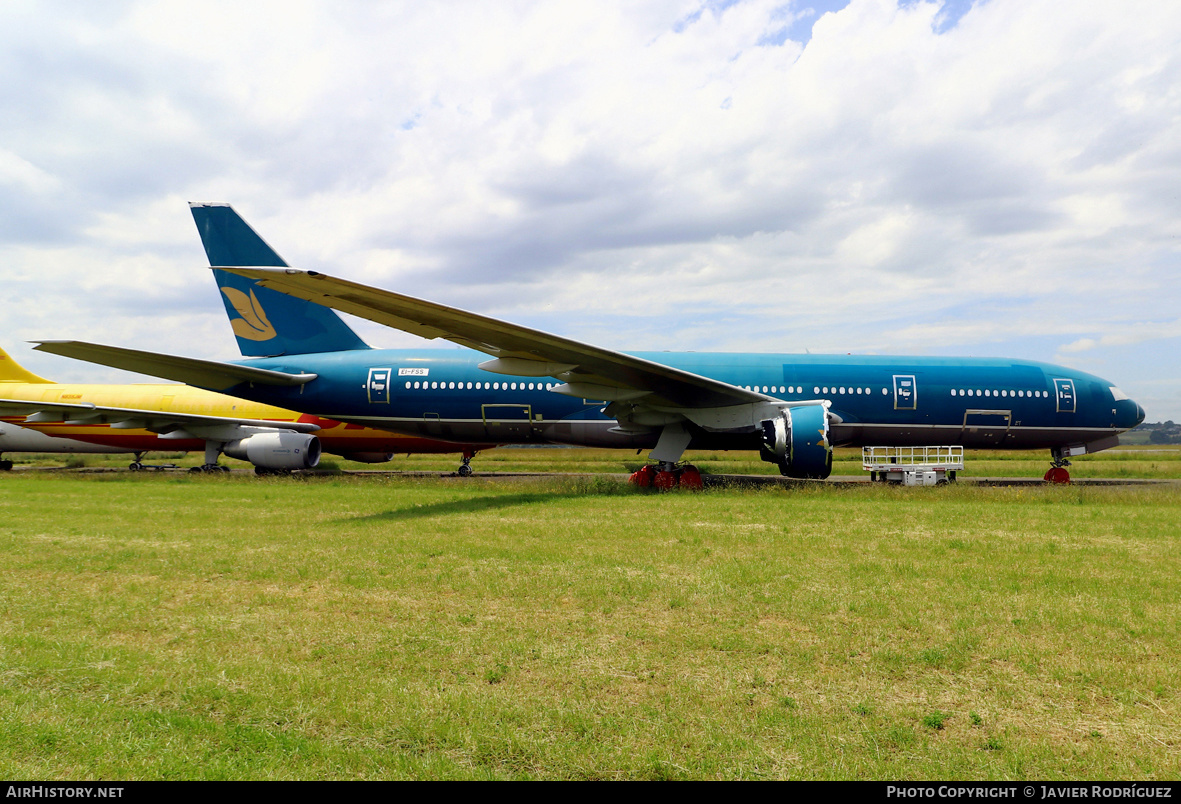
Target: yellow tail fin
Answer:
[[12, 371]]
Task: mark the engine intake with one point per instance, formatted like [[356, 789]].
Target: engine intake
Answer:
[[797, 442], [276, 450]]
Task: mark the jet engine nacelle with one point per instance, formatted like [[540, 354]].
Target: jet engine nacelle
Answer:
[[368, 457], [797, 442], [276, 450]]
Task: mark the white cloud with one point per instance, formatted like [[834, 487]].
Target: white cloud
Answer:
[[656, 175], [1128, 334]]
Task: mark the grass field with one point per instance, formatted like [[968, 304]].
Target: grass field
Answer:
[[177, 626]]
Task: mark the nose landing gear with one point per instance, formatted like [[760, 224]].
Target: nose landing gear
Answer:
[[465, 468], [1058, 473]]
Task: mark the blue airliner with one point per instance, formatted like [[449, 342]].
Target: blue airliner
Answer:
[[512, 384]]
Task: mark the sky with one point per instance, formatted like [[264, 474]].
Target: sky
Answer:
[[989, 178]]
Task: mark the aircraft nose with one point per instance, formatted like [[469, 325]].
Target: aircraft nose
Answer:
[[1130, 414]]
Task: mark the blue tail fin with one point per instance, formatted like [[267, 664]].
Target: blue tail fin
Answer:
[[265, 322]]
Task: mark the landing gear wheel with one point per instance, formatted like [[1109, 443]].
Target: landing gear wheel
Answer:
[[643, 476], [666, 480], [1057, 474], [5, 466], [691, 478], [210, 467], [667, 476], [465, 468], [135, 466]]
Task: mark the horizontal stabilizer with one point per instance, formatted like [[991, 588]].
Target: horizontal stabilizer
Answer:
[[208, 374]]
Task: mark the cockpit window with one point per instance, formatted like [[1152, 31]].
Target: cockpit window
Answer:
[[1118, 394]]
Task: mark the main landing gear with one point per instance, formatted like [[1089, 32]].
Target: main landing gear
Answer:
[[213, 450], [5, 466], [667, 476], [1058, 472], [465, 468]]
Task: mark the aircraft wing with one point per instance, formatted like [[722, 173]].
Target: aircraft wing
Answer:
[[589, 371], [157, 421], [201, 373]]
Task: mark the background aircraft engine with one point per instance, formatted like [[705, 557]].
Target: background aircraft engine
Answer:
[[277, 450], [797, 442], [368, 457]]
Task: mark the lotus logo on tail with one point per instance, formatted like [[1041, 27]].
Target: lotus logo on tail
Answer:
[[253, 325]]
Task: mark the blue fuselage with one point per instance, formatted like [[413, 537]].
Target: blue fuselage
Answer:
[[974, 402]]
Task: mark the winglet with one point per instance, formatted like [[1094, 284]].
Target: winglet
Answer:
[[264, 322], [11, 371]]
